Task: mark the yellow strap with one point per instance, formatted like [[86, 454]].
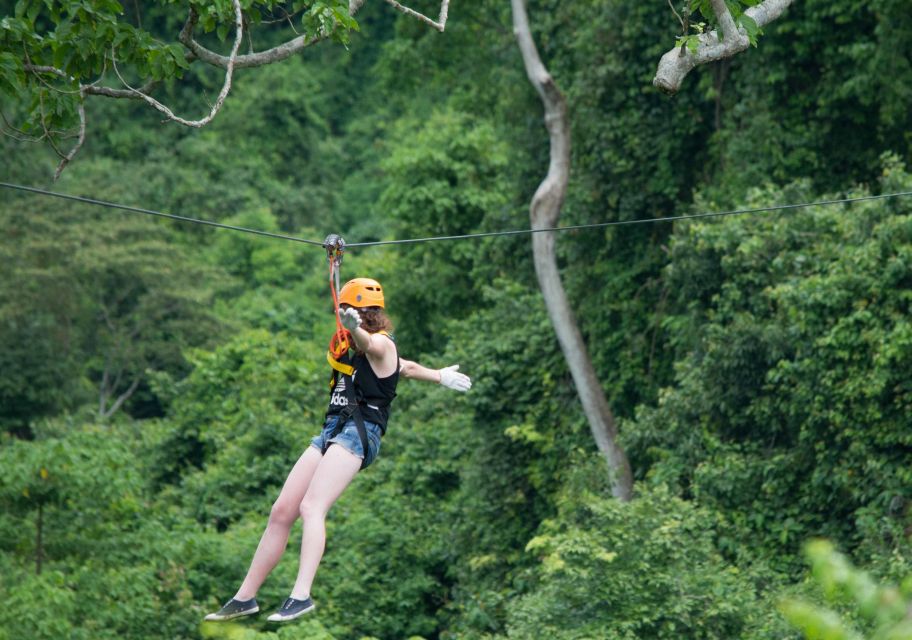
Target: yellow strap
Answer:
[[345, 369]]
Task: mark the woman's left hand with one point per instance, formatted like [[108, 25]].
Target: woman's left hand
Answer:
[[452, 379]]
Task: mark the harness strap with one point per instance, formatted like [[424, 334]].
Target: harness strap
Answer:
[[356, 414], [344, 369], [351, 410]]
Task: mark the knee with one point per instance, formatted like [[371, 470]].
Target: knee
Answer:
[[283, 513], [310, 510]]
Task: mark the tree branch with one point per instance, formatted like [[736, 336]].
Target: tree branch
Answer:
[[138, 13], [133, 94], [47, 132], [82, 134], [727, 23], [195, 51], [83, 91], [107, 318], [37, 68], [117, 378], [549, 197], [293, 46], [16, 134], [122, 398], [93, 88], [285, 18], [276, 54], [103, 390], [678, 62], [440, 24], [226, 87], [676, 14]]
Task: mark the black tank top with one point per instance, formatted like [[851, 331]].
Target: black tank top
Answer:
[[374, 394]]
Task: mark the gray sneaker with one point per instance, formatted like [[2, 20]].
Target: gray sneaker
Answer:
[[292, 609], [235, 609]]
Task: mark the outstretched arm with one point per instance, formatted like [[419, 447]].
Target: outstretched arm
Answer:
[[381, 355], [448, 376]]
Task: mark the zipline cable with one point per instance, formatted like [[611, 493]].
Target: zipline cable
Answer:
[[596, 225], [160, 214], [617, 223]]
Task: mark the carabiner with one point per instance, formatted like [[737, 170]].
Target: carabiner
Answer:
[[335, 248]]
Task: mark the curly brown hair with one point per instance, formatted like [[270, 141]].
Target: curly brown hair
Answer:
[[374, 320]]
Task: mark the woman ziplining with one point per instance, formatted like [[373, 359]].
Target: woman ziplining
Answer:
[[362, 389]]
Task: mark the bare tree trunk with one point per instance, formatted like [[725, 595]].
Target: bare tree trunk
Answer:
[[107, 389], [118, 403], [103, 392], [545, 212]]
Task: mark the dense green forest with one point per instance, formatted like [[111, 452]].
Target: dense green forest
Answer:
[[158, 379]]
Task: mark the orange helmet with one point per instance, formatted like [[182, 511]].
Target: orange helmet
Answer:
[[362, 292]]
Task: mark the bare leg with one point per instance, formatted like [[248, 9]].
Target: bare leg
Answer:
[[284, 512], [336, 470]]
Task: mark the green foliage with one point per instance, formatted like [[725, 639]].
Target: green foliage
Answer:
[[111, 297], [736, 8], [444, 181], [47, 374], [882, 609], [331, 17], [766, 356], [237, 423], [54, 474], [511, 453], [791, 342], [646, 569], [692, 40], [385, 530], [255, 260], [817, 104], [50, 50], [79, 536], [308, 627], [635, 155], [76, 39]]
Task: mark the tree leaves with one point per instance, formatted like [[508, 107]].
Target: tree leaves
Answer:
[[330, 18], [762, 371], [789, 392], [885, 608]]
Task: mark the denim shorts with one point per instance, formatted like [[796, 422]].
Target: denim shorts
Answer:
[[349, 439]]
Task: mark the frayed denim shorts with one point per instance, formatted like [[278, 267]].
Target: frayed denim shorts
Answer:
[[349, 439]]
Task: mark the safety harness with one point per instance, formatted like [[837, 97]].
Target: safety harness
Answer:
[[339, 345]]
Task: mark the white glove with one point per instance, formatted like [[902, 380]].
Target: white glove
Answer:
[[452, 379], [350, 318]]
